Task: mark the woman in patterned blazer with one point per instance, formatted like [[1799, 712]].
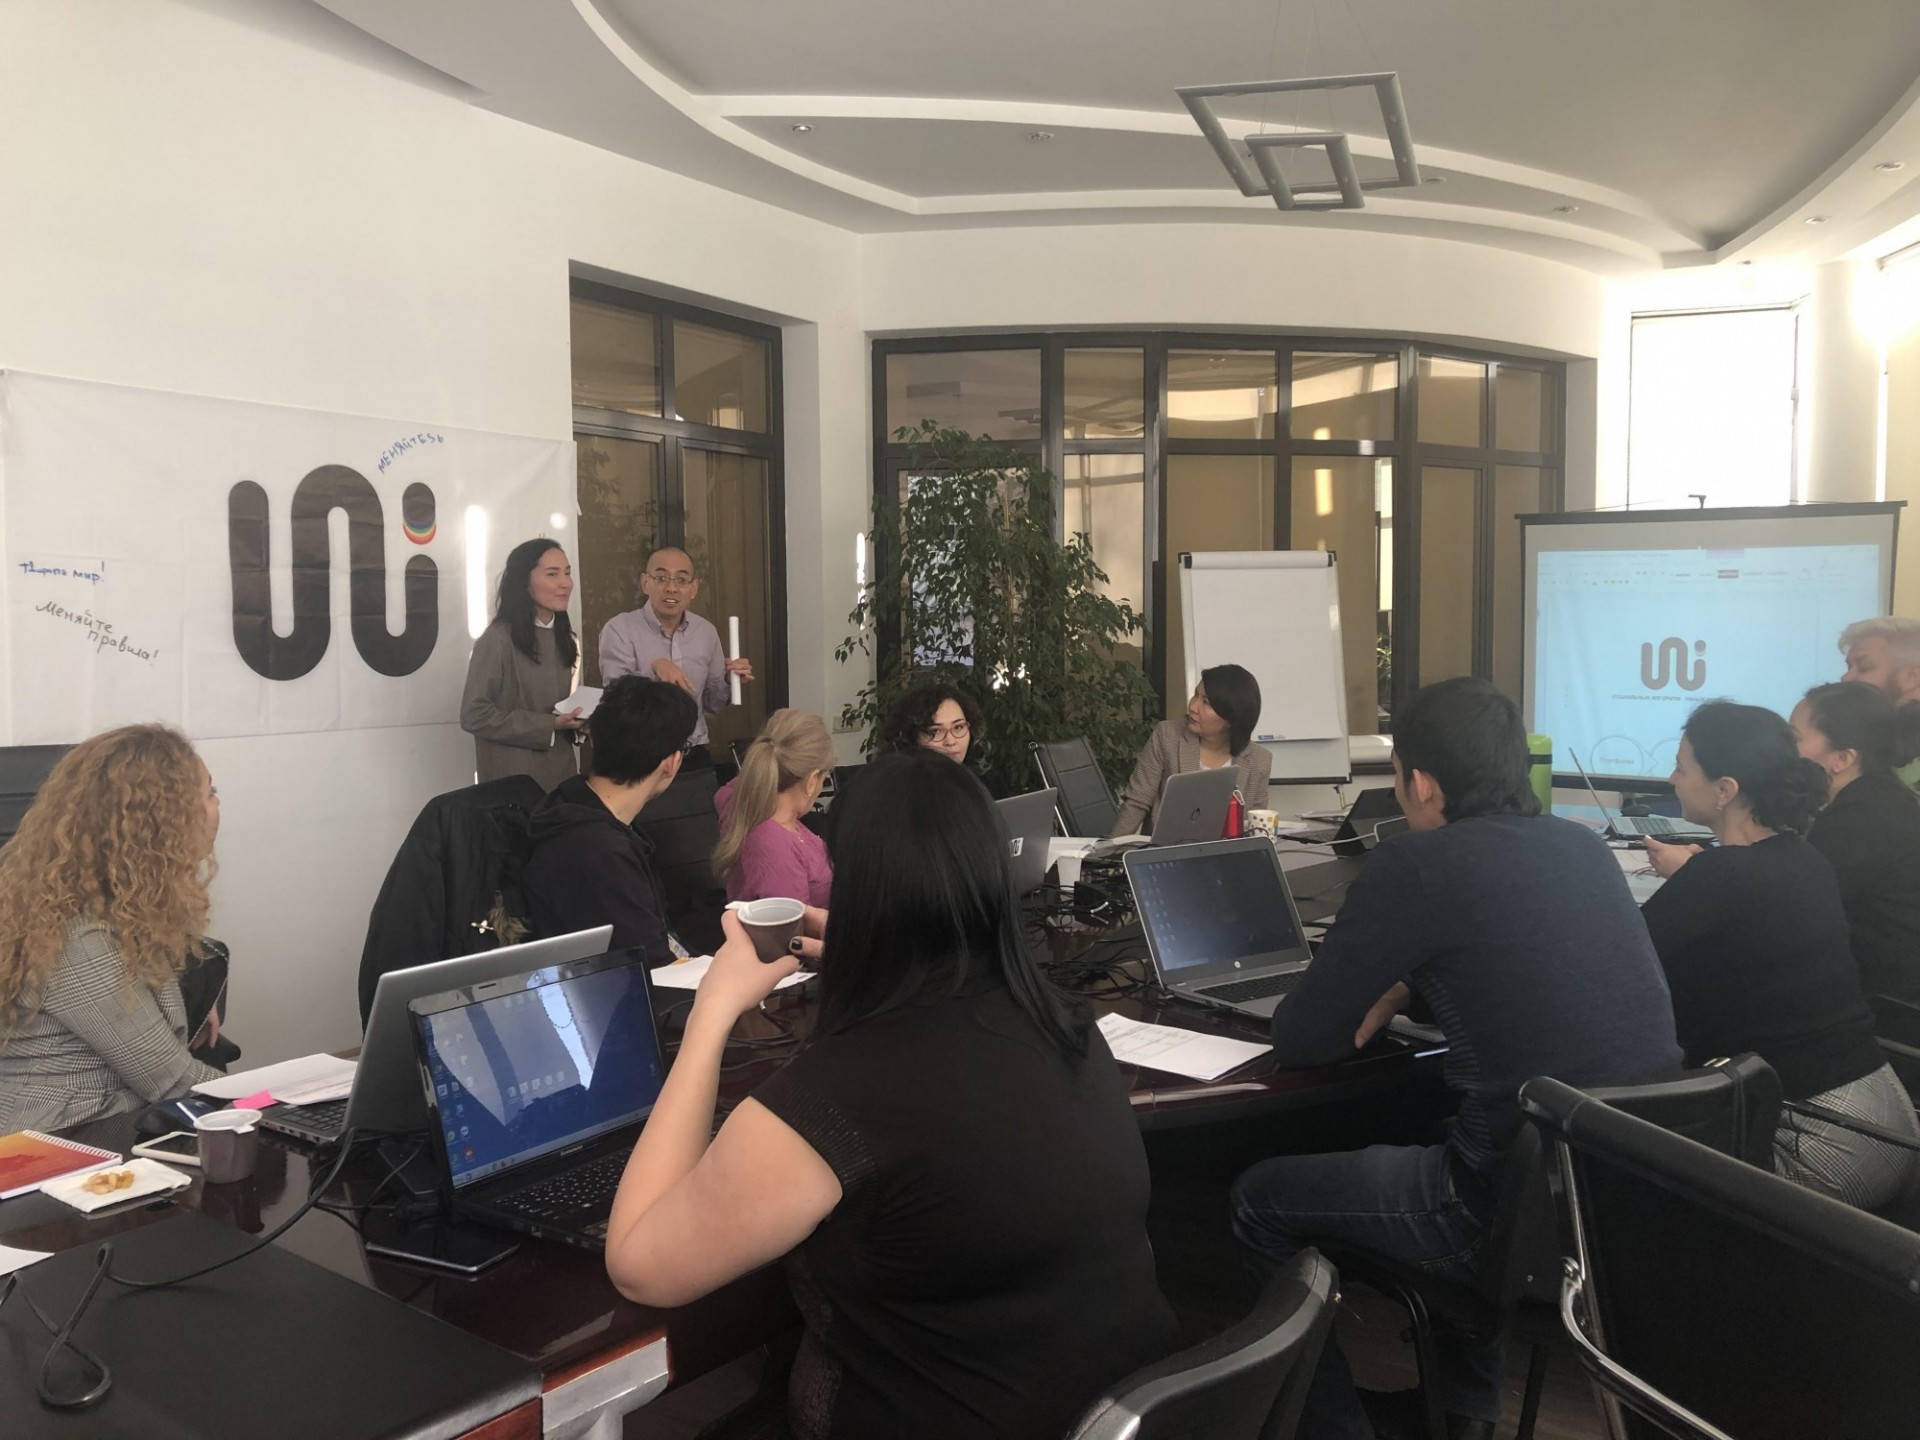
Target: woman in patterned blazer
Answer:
[[103, 903]]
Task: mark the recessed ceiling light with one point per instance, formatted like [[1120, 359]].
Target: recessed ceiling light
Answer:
[[1433, 179], [1039, 137], [1816, 220], [802, 129], [1891, 165], [1565, 209]]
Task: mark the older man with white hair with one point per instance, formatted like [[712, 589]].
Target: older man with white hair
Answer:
[[1885, 653]]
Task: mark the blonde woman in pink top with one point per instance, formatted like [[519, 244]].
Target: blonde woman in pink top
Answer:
[[764, 849]]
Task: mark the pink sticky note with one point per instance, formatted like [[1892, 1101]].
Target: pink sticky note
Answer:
[[255, 1102]]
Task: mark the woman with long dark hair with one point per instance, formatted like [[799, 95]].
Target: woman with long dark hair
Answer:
[[522, 666], [1753, 939], [103, 906], [950, 1166], [1870, 828], [1216, 731]]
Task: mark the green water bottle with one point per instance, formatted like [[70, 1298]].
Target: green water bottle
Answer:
[[1540, 770]]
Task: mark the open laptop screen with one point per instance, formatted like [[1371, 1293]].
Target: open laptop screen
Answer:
[[1206, 906], [530, 1071]]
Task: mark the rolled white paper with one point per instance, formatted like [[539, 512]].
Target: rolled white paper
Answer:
[[733, 652]]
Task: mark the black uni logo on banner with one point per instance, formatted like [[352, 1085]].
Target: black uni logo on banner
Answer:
[[288, 657]]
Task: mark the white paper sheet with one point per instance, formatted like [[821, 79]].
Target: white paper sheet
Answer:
[[688, 974], [306, 1081], [586, 700], [12, 1259], [1178, 1052]]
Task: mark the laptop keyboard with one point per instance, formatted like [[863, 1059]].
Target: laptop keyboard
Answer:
[[584, 1190], [1659, 825], [1260, 987], [322, 1122]]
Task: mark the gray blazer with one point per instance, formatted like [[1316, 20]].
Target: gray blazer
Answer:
[[1172, 751], [92, 1044], [508, 709]]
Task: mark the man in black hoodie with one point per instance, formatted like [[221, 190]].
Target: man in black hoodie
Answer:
[[589, 865]]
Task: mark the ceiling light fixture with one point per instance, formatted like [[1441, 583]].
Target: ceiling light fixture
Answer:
[[1039, 137], [1891, 165], [1816, 220], [801, 129], [1565, 209], [1347, 183], [1433, 179]]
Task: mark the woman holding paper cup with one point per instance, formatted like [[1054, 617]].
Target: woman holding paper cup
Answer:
[[951, 1162], [103, 903], [764, 849], [522, 668]]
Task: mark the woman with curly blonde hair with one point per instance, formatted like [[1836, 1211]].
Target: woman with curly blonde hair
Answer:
[[103, 902]]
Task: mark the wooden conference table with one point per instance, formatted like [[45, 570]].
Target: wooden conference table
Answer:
[[600, 1355]]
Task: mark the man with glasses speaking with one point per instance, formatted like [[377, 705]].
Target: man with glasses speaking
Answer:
[[664, 640]]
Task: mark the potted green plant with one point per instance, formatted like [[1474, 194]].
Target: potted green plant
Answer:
[[972, 586]]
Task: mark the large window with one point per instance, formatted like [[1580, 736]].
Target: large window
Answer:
[[1172, 442], [1711, 409], [676, 419]]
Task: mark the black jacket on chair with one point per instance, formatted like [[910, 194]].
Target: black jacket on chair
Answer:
[[456, 877], [1870, 834]]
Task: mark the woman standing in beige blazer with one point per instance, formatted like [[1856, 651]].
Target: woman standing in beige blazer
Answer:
[[1218, 731]]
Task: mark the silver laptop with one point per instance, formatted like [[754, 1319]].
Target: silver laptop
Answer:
[[1220, 922], [1029, 821], [1192, 808], [386, 1094], [1639, 827]]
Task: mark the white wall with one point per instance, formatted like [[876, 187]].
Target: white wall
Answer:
[[1287, 276], [189, 204]]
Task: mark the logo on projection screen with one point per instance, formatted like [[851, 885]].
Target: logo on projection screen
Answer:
[[288, 657], [1673, 665]]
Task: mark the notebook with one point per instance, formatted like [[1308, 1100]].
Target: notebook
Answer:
[[1029, 822], [385, 1097], [29, 1160], [1220, 923], [538, 1084]]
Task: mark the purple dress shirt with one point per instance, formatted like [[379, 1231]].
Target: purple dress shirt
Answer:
[[631, 642]]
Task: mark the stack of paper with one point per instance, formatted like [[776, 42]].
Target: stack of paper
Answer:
[[687, 975], [306, 1081], [1178, 1052]]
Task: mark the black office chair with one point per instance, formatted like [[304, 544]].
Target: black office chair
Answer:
[[1731, 1105], [1896, 1024], [23, 770], [1247, 1383], [1708, 1300], [685, 831], [1086, 805]]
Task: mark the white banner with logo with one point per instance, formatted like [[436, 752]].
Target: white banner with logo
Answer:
[[238, 569]]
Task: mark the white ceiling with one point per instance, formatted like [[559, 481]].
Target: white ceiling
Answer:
[[1680, 132]]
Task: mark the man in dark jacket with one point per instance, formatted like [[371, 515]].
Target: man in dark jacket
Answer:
[[589, 865]]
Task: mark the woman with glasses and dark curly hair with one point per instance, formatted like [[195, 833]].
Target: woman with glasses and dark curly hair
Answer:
[[1216, 731], [103, 906], [942, 718]]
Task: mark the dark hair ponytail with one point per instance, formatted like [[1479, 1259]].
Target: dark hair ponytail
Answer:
[[1855, 716], [1757, 749]]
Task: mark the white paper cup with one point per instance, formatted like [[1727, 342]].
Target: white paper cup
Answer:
[[772, 924], [1067, 869], [229, 1144], [1261, 822]]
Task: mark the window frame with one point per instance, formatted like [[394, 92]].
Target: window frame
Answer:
[[1154, 447], [672, 435]]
